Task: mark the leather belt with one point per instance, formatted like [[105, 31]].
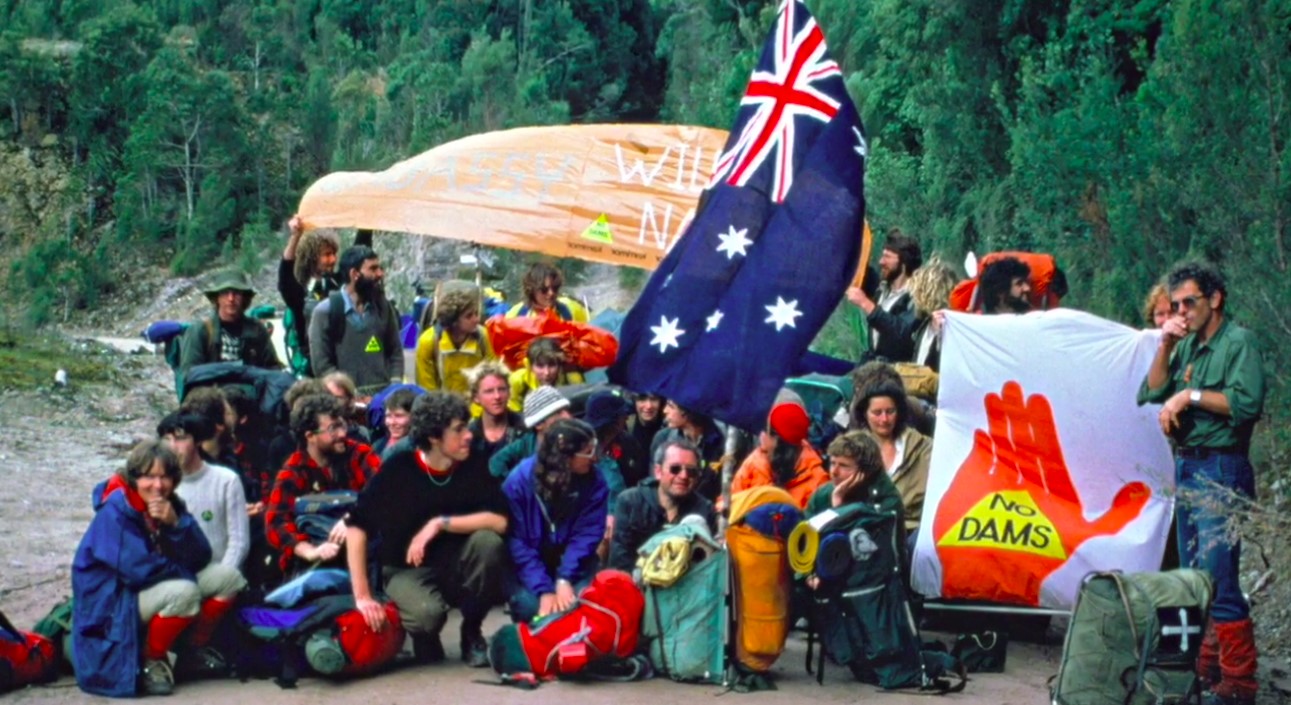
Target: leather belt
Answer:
[[1202, 452]]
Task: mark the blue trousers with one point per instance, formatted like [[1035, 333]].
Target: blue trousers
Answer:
[[1202, 530]]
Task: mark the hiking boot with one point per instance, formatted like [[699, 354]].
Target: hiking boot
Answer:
[[202, 662], [157, 678], [475, 650], [427, 649]]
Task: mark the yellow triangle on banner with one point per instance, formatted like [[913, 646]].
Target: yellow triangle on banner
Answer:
[[1006, 521], [374, 345], [600, 231]]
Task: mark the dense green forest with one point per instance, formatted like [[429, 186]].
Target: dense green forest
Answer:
[[1121, 135]]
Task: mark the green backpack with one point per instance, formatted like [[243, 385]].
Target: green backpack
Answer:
[[863, 615], [57, 627], [685, 622], [1134, 639]]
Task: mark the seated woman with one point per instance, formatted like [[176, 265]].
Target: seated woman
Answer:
[[906, 452], [496, 426], [784, 458], [558, 513], [544, 367], [542, 296], [396, 420], [454, 343], [139, 579]]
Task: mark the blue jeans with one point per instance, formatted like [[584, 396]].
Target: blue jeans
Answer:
[[1202, 528], [524, 603]]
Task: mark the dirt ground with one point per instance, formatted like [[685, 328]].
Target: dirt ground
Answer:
[[57, 443]]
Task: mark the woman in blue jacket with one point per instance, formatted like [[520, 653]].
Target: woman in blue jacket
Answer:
[[134, 577], [558, 507]]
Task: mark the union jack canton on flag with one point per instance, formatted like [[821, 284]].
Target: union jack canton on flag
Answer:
[[730, 311]]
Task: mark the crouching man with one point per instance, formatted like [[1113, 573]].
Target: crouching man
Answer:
[[143, 562], [441, 519]]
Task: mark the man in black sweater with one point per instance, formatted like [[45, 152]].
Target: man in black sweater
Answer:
[[663, 500], [441, 519]]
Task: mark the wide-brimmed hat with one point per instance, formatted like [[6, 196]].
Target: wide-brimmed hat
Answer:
[[605, 406], [226, 280]]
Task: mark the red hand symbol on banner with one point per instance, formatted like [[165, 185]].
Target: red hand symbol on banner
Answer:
[[1012, 515]]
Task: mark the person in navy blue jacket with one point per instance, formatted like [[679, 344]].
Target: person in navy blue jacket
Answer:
[[558, 507], [134, 577]]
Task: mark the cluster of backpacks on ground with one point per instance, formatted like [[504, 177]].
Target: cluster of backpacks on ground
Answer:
[[1132, 638]]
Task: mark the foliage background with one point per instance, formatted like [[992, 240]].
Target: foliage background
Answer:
[[1122, 135]]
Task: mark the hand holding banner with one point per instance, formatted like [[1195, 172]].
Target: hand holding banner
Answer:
[[1014, 493]]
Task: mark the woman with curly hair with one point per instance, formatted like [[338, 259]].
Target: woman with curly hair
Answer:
[[930, 289], [559, 504], [542, 297], [455, 343], [306, 275]]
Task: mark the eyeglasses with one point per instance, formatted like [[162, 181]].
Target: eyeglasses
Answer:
[[677, 469], [549, 289], [590, 455], [883, 412], [336, 427], [1187, 302]]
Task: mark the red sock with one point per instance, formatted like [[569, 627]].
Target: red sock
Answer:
[[213, 610], [162, 632]]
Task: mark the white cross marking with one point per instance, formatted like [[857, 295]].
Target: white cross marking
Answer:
[[1182, 631]]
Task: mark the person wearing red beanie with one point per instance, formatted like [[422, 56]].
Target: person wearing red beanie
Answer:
[[784, 457]]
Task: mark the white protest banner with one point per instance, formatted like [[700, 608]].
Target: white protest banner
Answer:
[[1043, 468]]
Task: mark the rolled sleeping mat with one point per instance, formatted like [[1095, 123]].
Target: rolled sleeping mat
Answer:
[[804, 543], [834, 557]]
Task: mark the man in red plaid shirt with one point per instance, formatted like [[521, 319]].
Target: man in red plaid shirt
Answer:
[[325, 460]]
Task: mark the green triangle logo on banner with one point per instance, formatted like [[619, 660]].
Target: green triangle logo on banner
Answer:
[[600, 231], [374, 345]]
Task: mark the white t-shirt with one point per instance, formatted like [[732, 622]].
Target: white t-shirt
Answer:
[[214, 498]]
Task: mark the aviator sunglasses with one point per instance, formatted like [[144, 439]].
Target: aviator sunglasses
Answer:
[[677, 469]]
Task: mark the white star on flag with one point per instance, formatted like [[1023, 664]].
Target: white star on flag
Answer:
[[734, 242], [861, 147], [713, 321], [782, 313], [666, 333]]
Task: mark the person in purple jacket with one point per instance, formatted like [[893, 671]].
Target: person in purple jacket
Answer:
[[558, 507]]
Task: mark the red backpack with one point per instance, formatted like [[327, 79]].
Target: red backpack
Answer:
[[605, 622], [25, 658]]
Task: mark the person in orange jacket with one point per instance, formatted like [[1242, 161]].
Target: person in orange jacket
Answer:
[[784, 457]]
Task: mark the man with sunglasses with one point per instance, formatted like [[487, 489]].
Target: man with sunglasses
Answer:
[[542, 284], [659, 501], [1208, 378]]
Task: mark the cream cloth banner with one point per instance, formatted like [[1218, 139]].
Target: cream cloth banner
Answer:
[[619, 194], [1043, 468]]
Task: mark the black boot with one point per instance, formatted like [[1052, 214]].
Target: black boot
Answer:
[[427, 649]]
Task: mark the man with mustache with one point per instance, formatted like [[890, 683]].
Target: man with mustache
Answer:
[[363, 342]]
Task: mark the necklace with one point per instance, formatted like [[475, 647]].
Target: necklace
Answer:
[[430, 473]]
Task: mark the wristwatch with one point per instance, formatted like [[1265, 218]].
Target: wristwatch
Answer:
[[1194, 397], [444, 520]]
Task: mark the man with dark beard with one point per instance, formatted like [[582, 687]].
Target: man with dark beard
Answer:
[[1005, 287], [892, 317], [362, 337]]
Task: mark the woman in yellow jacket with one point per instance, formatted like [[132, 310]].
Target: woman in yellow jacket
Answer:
[[544, 366], [455, 343], [542, 296]]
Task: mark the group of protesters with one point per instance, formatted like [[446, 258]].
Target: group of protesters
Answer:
[[484, 489]]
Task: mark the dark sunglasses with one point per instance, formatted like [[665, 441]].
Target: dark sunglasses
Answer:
[[549, 290], [690, 470], [1187, 302]]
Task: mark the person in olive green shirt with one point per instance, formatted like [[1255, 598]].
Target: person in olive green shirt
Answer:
[[1208, 378]]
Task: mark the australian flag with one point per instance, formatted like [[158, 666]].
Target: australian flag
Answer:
[[730, 311]]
